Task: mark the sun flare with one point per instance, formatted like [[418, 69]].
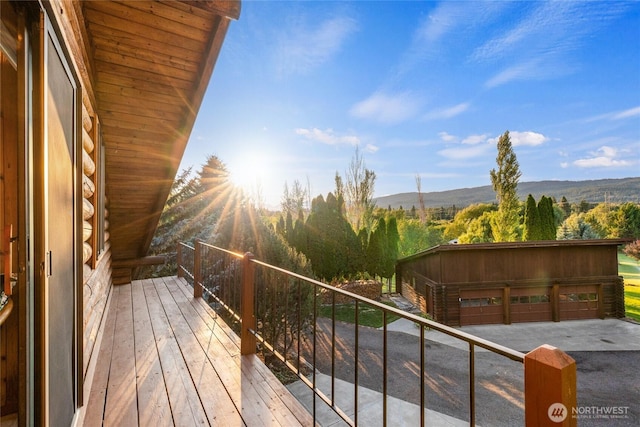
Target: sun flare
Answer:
[[249, 173]]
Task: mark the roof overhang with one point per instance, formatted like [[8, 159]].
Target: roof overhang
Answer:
[[514, 246], [151, 64]]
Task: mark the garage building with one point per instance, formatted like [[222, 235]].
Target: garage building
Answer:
[[515, 282]]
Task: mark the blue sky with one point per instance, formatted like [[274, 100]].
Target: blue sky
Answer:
[[423, 88]]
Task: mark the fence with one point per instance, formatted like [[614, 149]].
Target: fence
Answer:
[[278, 311]]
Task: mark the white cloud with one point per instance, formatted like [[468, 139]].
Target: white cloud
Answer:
[[549, 32], [387, 108], [472, 146], [447, 113], [327, 136], [475, 139], [303, 47], [447, 137], [465, 152], [520, 139], [616, 115], [631, 112], [370, 148], [604, 157], [551, 28], [449, 17], [527, 138], [522, 71]]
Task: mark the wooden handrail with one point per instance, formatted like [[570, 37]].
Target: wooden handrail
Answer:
[[550, 379]]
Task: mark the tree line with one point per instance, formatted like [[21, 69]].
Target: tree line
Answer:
[[345, 235]]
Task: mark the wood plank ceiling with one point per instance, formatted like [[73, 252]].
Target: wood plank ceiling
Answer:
[[152, 62]]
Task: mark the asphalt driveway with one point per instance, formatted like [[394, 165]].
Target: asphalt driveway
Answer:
[[607, 353]]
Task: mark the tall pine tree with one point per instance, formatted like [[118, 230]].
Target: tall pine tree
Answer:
[[505, 184]]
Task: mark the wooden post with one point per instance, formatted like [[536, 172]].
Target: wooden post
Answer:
[[197, 271], [247, 316], [549, 388], [600, 302], [506, 305], [398, 273], [179, 260], [555, 303]]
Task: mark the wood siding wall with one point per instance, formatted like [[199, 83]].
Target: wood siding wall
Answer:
[[516, 266]]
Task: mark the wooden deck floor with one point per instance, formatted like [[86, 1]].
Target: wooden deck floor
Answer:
[[166, 359]]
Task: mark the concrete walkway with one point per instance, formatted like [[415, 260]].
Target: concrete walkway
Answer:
[[369, 406]]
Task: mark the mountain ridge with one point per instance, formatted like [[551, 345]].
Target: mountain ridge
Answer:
[[593, 191]]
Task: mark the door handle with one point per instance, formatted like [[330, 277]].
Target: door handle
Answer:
[[49, 264], [9, 278]]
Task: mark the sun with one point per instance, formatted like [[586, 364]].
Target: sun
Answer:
[[249, 173]]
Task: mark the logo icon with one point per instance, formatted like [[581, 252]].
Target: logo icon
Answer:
[[557, 412]]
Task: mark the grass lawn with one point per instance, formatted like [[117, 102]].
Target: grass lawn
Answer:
[[629, 268], [367, 315]]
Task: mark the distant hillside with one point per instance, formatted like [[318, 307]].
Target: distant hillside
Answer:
[[595, 191]]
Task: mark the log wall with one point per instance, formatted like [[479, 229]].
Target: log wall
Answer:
[[97, 260]]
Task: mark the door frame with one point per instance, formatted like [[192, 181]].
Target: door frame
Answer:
[[47, 30]]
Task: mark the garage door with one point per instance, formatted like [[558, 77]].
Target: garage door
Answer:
[[531, 304], [481, 306], [579, 302]]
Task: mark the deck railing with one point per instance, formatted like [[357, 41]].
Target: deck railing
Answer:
[[278, 310]]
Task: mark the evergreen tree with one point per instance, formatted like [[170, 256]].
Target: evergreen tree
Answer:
[[300, 235], [191, 212], [363, 238], [332, 246], [214, 186], [532, 220], [565, 206], [547, 219], [288, 228], [626, 221], [339, 191], [391, 250], [280, 227], [576, 228], [315, 238], [175, 223], [376, 250], [505, 184]]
